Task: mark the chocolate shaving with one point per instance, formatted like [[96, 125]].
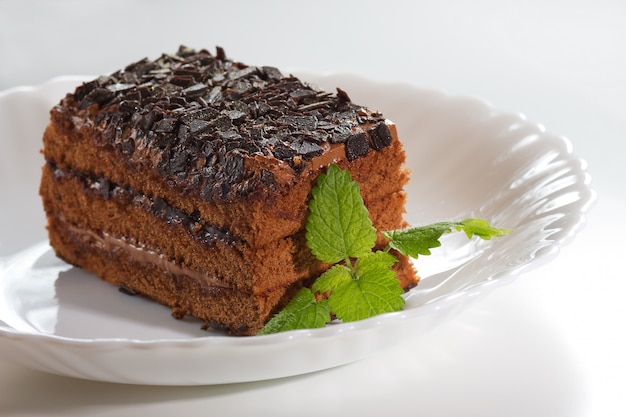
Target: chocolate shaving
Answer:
[[97, 96], [127, 291], [343, 96]]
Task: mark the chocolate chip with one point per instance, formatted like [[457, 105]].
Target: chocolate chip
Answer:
[[98, 96], [300, 122], [343, 96], [206, 113], [236, 116], [241, 73], [222, 123], [186, 71], [357, 146], [183, 80], [184, 133], [214, 95], [380, 136], [147, 120], [198, 126], [165, 125], [284, 152], [341, 133], [129, 106], [240, 87], [271, 73], [302, 93], [229, 137], [195, 90], [85, 89], [234, 167], [307, 149], [132, 95]]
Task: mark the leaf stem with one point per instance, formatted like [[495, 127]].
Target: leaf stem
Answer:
[[349, 264]]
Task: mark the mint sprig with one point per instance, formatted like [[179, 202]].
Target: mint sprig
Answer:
[[419, 240], [360, 283]]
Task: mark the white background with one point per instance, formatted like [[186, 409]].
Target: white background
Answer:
[[551, 344]]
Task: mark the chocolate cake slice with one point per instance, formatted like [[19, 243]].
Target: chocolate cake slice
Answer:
[[186, 179]]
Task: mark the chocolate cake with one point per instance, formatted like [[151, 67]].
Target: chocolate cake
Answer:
[[186, 179]]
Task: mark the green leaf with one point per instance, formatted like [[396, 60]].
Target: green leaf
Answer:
[[302, 312], [338, 226], [419, 240], [373, 289], [335, 277], [375, 263], [480, 228]]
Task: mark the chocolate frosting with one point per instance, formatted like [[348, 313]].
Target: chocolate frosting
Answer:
[[201, 121]]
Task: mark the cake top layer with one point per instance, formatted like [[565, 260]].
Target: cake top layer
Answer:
[[219, 127]]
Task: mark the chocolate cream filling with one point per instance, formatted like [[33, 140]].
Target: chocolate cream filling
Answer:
[[141, 255]]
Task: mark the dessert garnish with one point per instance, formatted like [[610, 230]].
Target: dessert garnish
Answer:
[[360, 283]]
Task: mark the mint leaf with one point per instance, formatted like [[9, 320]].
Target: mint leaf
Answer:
[[375, 263], [302, 312], [419, 240], [369, 290], [480, 228], [338, 226], [335, 277]]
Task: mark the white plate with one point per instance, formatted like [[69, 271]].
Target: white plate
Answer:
[[467, 160]]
